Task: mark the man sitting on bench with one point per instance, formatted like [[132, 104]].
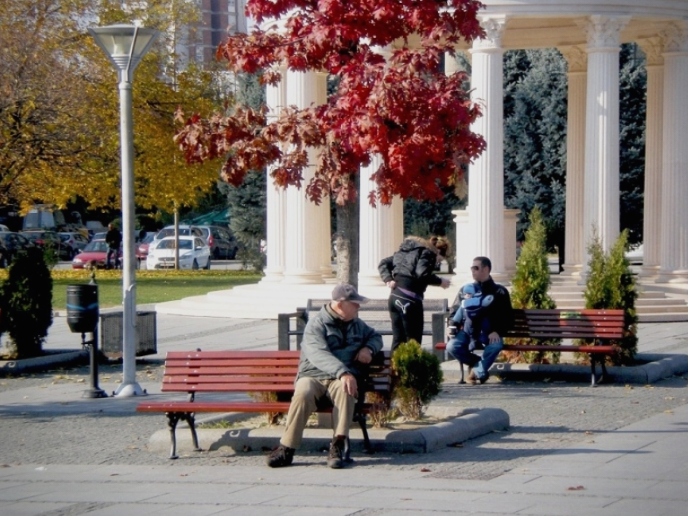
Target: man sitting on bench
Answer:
[[335, 343]]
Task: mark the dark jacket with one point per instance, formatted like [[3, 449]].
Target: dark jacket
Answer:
[[113, 238], [499, 315], [412, 267], [330, 345]]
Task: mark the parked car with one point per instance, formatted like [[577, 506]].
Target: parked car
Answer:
[[184, 230], [143, 246], [194, 253], [49, 240], [75, 240], [221, 242], [95, 252], [11, 244]]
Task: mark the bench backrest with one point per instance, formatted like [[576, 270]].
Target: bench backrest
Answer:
[[380, 306], [250, 371], [568, 324]]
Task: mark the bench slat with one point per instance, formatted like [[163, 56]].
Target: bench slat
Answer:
[[232, 355], [216, 370], [235, 406], [573, 349]]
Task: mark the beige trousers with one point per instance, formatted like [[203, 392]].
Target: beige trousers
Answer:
[[306, 394]]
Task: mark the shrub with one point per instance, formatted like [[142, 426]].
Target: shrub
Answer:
[[610, 284], [418, 378], [27, 304], [530, 287]]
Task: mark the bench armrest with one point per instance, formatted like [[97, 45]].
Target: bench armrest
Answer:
[[284, 329]]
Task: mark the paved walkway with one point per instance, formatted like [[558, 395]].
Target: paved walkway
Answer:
[[615, 450]]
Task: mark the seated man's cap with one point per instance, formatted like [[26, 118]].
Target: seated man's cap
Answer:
[[346, 292]]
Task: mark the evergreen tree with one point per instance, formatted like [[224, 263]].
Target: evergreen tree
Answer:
[[610, 284], [535, 137], [633, 84], [26, 298], [530, 286], [247, 202]]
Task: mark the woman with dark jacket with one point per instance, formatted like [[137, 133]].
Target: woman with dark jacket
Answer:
[[408, 273]]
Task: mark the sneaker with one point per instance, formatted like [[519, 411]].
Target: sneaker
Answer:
[[335, 458], [484, 378], [280, 457]]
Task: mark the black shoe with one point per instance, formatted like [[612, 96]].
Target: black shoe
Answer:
[[484, 378], [335, 458], [280, 457]]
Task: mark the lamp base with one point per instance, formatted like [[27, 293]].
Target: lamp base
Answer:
[[94, 393], [129, 389]]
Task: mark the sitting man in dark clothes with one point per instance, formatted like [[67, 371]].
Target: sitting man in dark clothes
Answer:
[[495, 320]]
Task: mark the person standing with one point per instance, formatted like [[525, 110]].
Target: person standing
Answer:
[[336, 346], [495, 319], [408, 273], [113, 239]]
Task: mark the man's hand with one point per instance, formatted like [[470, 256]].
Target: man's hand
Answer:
[[445, 283], [493, 337], [349, 382], [364, 356], [391, 284]]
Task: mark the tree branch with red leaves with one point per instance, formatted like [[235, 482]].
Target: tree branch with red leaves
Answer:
[[402, 108]]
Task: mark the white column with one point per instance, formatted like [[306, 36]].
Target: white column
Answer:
[[464, 254], [510, 222], [275, 198], [652, 205], [574, 242], [378, 235], [304, 219], [602, 129], [674, 239], [486, 174]]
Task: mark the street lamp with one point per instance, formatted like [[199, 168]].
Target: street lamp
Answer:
[[125, 45]]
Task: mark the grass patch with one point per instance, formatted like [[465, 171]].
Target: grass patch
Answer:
[[151, 286]]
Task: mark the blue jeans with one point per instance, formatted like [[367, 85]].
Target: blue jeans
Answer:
[[459, 347]]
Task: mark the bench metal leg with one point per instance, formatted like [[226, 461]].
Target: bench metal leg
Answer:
[[362, 422], [172, 420], [190, 419], [603, 376]]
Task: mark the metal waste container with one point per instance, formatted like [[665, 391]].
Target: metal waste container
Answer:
[[111, 338]]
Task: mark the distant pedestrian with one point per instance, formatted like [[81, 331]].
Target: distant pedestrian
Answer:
[[408, 273], [113, 238]]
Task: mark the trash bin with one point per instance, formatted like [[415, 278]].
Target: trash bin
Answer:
[[82, 308], [111, 334]]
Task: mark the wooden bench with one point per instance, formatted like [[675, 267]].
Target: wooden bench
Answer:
[[244, 372], [375, 313], [596, 325]]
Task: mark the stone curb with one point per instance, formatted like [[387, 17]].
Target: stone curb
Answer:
[[52, 358], [469, 424], [657, 367]]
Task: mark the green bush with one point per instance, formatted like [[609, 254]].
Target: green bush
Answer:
[[417, 378], [530, 287], [27, 304], [610, 284]]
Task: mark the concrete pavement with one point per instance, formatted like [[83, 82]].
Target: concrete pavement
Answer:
[[618, 449]]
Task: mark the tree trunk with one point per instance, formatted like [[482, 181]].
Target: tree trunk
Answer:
[[346, 242]]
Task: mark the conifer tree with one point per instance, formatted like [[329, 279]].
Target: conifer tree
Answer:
[[610, 284], [530, 286]]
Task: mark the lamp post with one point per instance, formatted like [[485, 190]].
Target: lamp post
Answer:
[[125, 45]]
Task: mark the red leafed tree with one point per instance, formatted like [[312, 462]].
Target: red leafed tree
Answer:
[[392, 99]]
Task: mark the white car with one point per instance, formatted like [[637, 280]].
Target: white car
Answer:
[[194, 253]]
